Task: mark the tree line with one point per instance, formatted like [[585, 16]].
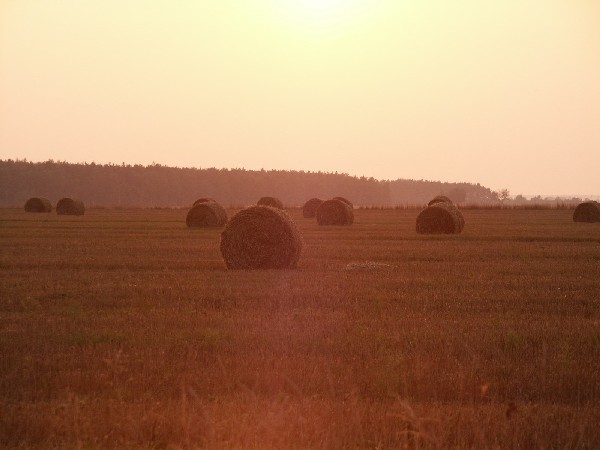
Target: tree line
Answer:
[[155, 185]]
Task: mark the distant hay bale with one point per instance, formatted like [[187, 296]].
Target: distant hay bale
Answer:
[[345, 200], [38, 204], [335, 212], [270, 201], [309, 210], [587, 212], [204, 200], [70, 207], [261, 237], [207, 214], [439, 199], [440, 218]]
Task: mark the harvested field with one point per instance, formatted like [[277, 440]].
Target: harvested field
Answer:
[[487, 339]]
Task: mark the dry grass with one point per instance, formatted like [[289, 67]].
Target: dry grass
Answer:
[[159, 346]]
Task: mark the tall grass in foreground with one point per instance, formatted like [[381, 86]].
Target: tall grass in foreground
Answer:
[[122, 329]]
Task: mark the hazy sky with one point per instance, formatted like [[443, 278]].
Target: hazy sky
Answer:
[[501, 92]]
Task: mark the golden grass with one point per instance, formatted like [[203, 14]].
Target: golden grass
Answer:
[[124, 329]]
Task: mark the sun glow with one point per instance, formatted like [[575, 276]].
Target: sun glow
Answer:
[[320, 12]]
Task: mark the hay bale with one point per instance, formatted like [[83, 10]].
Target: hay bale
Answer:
[[345, 200], [270, 201], [261, 237], [440, 218], [38, 204], [334, 212], [309, 210], [70, 207], [204, 200], [440, 199], [207, 214], [587, 212]]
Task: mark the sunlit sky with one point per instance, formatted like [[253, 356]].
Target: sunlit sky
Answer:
[[505, 93]]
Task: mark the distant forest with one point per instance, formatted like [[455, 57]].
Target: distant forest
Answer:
[[109, 185]]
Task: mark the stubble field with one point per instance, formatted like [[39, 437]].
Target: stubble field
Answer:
[[123, 329]]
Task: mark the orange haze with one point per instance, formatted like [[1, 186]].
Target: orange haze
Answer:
[[502, 92]]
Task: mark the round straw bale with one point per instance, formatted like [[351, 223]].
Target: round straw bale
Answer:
[[440, 218], [335, 212], [207, 214], [587, 212], [345, 200], [204, 200], [70, 207], [38, 204], [309, 210], [261, 237], [439, 199], [270, 201]]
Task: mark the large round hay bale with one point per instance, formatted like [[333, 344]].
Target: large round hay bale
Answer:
[[440, 218], [439, 199], [207, 214], [261, 237], [345, 200], [335, 212], [587, 212], [273, 202], [204, 200], [70, 207], [309, 210], [38, 204]]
